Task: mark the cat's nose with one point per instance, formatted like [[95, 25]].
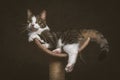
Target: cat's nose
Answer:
[[32, 25]]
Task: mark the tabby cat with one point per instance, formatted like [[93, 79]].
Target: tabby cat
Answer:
[[67, 41]]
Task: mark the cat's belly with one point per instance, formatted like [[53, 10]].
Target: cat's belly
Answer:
[[71, 48]]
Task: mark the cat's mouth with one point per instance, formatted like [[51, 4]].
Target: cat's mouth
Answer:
[[32, 28]]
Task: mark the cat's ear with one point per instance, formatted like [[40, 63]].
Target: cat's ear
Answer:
[[29, 13], [43, 15]]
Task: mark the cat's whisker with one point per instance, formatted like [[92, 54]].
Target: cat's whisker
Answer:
[[23, 29], [24, 24]]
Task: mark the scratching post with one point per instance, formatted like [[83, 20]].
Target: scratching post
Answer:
[[56, 70], [56, 67]]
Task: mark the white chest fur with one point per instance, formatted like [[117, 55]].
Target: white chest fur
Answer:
[[35, 34]]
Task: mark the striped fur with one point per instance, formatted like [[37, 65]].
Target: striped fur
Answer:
[[68, 41], [75, 36], [97, 37]]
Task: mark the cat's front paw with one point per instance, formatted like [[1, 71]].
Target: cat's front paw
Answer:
[[69, 67], [57, 51], [46, 45]]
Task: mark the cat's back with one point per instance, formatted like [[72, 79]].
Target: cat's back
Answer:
[[69, 36]]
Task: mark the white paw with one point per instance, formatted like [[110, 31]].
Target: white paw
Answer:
[[69, 67], [57, 51], [46, 45], [42, 41], [32, 36]]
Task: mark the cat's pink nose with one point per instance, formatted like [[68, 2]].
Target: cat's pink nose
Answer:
[[32, 25]]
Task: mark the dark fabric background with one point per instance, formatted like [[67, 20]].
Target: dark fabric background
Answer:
[[21, 60]]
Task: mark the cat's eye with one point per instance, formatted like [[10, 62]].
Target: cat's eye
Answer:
[[28, 21], [39, 22]]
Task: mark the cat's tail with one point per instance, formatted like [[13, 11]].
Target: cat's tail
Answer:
[[96, 37]]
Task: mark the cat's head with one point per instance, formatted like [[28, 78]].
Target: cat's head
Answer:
[[36, 21]]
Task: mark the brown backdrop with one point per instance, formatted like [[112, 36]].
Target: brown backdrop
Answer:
[[23, 61]]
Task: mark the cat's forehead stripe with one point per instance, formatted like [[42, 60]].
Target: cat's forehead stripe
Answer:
[[33, 19]]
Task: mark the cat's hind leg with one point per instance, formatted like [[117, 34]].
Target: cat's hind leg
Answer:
[[57, 51], [72, 51]]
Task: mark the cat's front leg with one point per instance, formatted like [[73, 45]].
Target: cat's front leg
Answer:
[[46, 45], [32, 36]]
